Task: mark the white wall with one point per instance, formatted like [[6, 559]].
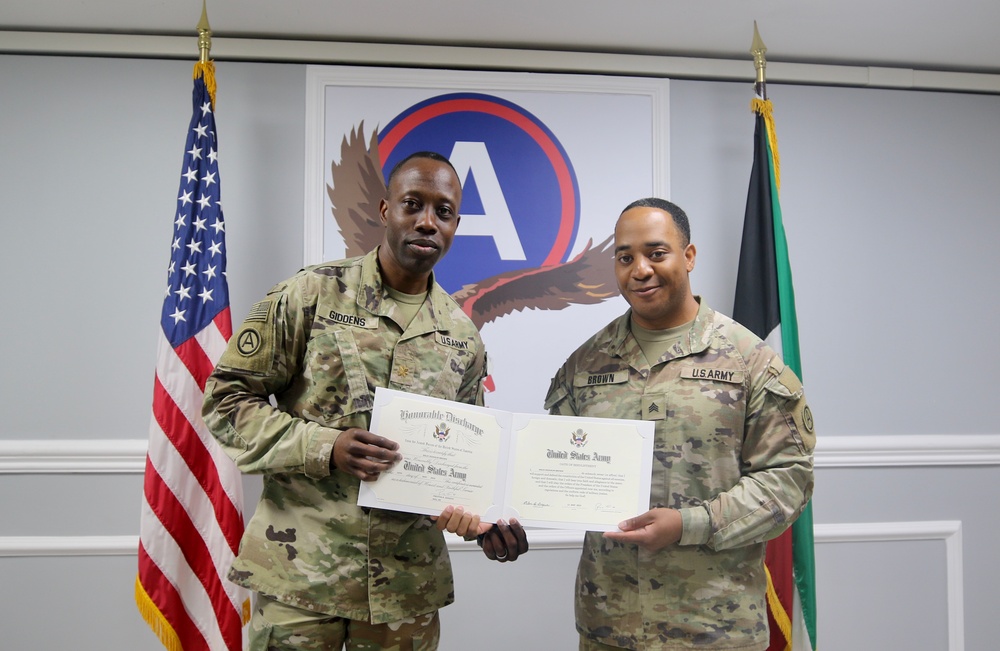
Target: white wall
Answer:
[[890, 201]]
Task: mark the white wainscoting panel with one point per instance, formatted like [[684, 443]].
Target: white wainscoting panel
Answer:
[[950, 531], [128, 456]]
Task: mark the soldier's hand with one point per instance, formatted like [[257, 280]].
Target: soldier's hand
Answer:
[[456, 520], [653, 530], [363, 454], [504, 542]]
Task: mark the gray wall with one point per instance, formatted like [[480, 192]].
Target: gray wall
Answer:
[[890, 201]]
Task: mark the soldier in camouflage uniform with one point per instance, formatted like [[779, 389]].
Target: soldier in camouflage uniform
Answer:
[[328, 572], [732, 461]]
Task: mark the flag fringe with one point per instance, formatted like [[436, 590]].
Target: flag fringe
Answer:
[[155, 619], [765, 109], [206, 71], [781, 617]]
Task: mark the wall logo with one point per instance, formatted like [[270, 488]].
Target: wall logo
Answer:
[[520, 204]]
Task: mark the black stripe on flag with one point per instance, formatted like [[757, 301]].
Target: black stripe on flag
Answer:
[[756, 305]]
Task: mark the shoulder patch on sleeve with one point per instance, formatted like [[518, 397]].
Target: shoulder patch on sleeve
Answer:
[[260, 311], [807, 419], [251, 348], [803, 417]]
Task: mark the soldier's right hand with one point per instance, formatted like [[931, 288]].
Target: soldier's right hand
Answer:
[[362, 454], [652, 530], [504, 542]]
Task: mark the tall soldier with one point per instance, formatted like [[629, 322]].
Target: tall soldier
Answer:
[[732, 465], [328, 572]]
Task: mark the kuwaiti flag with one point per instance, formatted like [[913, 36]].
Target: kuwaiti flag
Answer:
[[191, 519], [765, 303]]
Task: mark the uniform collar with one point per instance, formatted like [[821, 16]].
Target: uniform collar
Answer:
[[372, 293], [617, 338]]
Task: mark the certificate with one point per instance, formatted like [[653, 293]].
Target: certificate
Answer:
[[547, 471]]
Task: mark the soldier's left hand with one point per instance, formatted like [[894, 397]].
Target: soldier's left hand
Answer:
[[456, 520], [653, 530]]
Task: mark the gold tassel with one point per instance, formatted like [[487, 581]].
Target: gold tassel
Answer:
[[778, 611], [206, 71], [764, 108], [161, 627]]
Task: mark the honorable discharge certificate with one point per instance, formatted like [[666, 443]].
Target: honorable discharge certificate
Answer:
[[546, 471], [452, 453], [590, 473]]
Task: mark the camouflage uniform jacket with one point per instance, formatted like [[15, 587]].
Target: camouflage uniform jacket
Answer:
[[320, 343], [732, 452]]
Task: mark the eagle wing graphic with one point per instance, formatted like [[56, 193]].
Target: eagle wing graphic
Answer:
[[357, 188], [587, 279]]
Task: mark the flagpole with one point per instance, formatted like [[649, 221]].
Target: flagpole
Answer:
[[790, 558], [758, 49], [205, 66], [205, 34], [758, 306], [760, 104], [191, 519]]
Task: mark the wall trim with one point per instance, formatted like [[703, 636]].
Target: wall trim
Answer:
[[75, 546], [948, 530], [68, 456], [112, 456], [482, 58], [916, 450]]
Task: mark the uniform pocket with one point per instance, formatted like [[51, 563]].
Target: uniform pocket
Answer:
[[335, 368], [557, 393], [786, 388]]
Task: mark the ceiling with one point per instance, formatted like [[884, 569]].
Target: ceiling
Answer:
[[960, 35]]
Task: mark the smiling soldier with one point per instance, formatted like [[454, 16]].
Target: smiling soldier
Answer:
[[328, 572], [732, 466]]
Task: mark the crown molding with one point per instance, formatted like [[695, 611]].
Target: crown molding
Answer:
[[481, 58]]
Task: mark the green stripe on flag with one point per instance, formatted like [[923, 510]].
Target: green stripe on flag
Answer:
[[803, 549]]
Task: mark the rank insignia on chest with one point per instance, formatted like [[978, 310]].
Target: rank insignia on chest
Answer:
[[654, 407]]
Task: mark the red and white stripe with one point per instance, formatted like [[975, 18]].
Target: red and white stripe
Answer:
[[192, 519]]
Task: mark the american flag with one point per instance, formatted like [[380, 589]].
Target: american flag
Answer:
[[191, 519]]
